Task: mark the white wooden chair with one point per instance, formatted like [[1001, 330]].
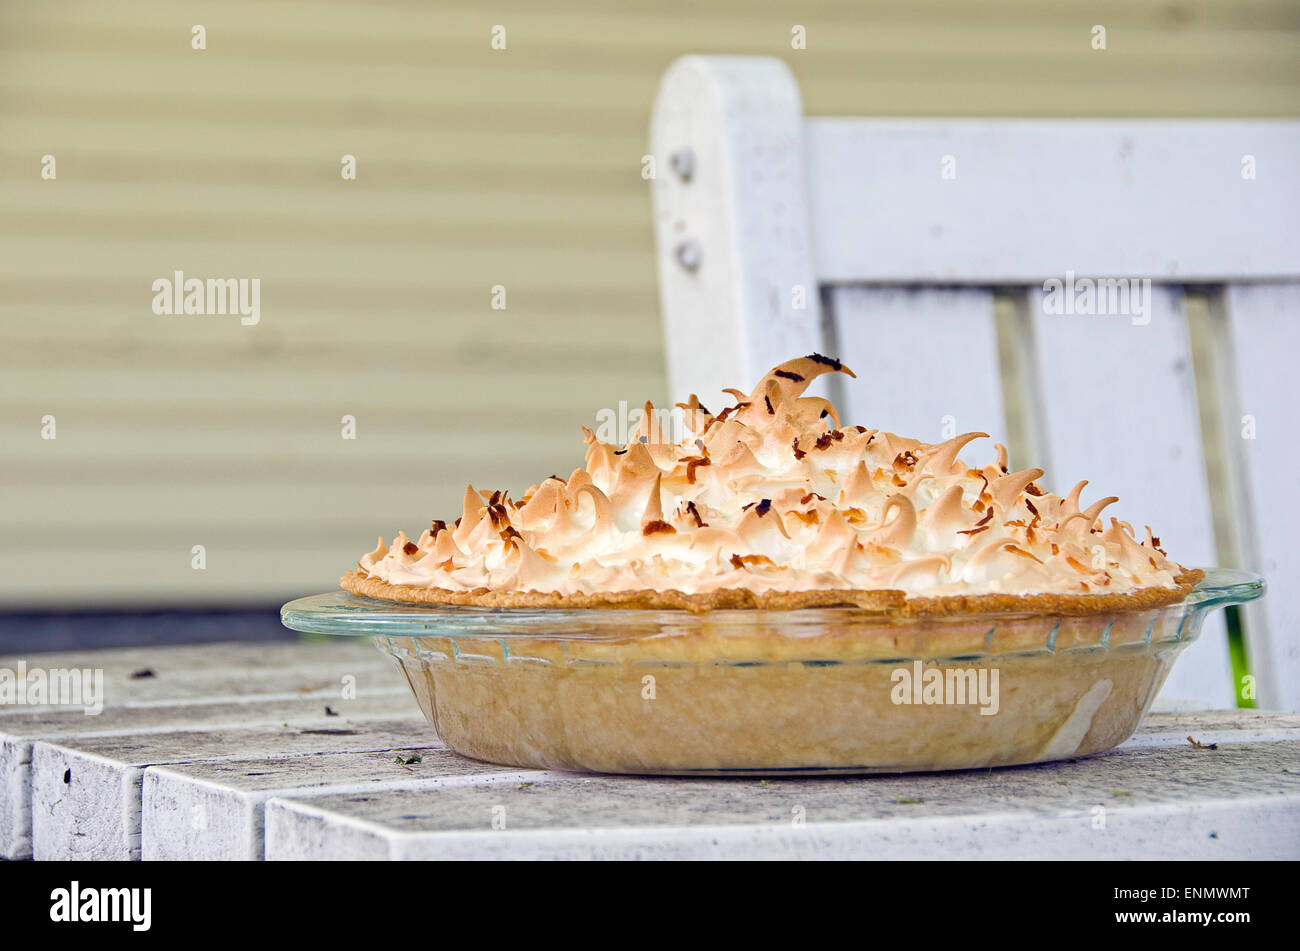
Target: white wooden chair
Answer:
[[886, 242]]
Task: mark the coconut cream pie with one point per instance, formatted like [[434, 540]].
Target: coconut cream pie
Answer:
[[773, 503]]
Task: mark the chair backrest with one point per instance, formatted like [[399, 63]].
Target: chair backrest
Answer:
[[921, 253]]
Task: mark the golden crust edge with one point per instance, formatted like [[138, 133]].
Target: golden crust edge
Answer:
[[884, 602]]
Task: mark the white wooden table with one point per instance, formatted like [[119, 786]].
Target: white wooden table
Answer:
[[228, 752]]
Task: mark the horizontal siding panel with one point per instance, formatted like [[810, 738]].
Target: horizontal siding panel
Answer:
[[318, 200], [604, 70], [534, 342], [498, 389], [198, 75], [331, 341], [382, 503], [1192, 93], [146, 166], [319, 230], [432, 304], [196, 447], [315, 199], [570, 148], [255, 576], [342, 534], [397, 18], [254, 257], [413, 33], [247, 109]]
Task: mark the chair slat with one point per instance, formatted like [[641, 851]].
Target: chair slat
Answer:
[[1118, 407], [1006, 201], [926, 359], [1263, 327]]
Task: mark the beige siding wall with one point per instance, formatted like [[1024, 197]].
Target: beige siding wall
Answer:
[[475, 168]]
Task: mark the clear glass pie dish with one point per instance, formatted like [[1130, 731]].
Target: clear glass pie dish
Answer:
[[747, 691]]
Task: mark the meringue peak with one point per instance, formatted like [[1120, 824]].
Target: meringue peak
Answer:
[[774, 493]]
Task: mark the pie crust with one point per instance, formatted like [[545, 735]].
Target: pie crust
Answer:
[[894, 603]]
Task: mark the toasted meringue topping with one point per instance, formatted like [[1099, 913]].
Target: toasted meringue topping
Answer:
[[771, 495]]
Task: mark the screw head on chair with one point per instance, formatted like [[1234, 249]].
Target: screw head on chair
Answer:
[[683, 163], [688, 254]]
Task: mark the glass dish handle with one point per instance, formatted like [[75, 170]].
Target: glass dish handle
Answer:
[[1224, 586]]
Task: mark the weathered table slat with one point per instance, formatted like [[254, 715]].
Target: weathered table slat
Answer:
[[190, 688], [19, 732], [1217, 726], [214, 810], [1166, 802], [207, 673], [86, 793]]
